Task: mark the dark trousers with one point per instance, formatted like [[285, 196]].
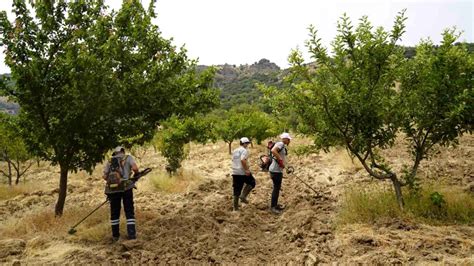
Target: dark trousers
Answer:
[[115, 206], [276, 178], [238, 182]]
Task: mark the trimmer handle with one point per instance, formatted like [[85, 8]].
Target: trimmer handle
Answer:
[[141, 173]]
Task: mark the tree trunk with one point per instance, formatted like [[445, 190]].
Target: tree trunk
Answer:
[[230, 147], [62, 191], [4, 157], [17, 173], [9, 173], [17, 178], [398, 191]]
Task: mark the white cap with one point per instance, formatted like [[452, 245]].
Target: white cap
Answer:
[[244, 140], [118, 149], [285, 136]]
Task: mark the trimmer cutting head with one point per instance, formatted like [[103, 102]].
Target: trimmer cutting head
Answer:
[[290, 170], [72, 231]]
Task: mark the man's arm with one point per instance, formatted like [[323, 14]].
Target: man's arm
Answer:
[[135, 168], [133, 164], [106, 171], [245, 166], [275, 152], [276, 155]]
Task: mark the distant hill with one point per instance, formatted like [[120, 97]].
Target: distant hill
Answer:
[[8, 107], [238, 83]]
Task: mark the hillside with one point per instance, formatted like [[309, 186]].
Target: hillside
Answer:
[[238, 83], [190, 220], [8, 107], [5, 105]]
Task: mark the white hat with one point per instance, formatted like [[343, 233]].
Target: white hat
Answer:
[[119, 149], [285, 136], [244, 140]]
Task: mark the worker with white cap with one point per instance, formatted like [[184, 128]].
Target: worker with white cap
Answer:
[[241, 174], [279, 152]]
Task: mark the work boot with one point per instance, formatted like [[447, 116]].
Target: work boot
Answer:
[[116, 231], [280, 207], [132, 234], [275, 210], [236, 203], [245, 193]]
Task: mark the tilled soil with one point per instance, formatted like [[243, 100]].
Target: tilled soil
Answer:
[[198, 226]]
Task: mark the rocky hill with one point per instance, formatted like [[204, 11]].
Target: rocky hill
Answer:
[[238, 83]]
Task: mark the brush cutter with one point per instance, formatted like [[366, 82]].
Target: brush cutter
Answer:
[[290, 170], [136, 177]]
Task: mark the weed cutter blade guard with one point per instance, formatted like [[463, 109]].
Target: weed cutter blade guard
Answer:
[[290, 170]]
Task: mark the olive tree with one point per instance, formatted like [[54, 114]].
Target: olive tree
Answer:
[[86, 78]]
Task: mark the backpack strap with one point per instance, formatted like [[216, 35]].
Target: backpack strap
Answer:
[[284, 148], [122, 164]]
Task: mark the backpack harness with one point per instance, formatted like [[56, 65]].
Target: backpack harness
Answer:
[[266, 159], [115, 180]]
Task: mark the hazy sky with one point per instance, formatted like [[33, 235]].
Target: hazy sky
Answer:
[[244, 31]]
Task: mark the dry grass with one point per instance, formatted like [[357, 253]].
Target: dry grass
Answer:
[[44, 222], [180, 182], [371, 204], [43, 225], [8, 192], [344, 161]]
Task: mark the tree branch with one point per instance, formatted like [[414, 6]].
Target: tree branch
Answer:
[[4, 173], [26, 169]]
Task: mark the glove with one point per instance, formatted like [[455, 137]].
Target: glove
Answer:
[[280, 163]]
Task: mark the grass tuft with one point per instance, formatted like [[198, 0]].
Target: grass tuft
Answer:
[[374, 204], [44, 222], [180, 182]]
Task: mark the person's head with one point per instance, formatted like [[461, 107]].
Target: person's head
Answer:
[[244, 142], [285, 138], [118, 150]]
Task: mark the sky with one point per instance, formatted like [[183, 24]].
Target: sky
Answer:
[[245, 31]]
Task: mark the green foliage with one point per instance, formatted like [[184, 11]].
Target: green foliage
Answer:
[[244, 121], [87, 78], [176, 133], [437, 199], [304, 150], [436, 100], [238, 84], [434, 205], [12, 149], [349, 99]]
